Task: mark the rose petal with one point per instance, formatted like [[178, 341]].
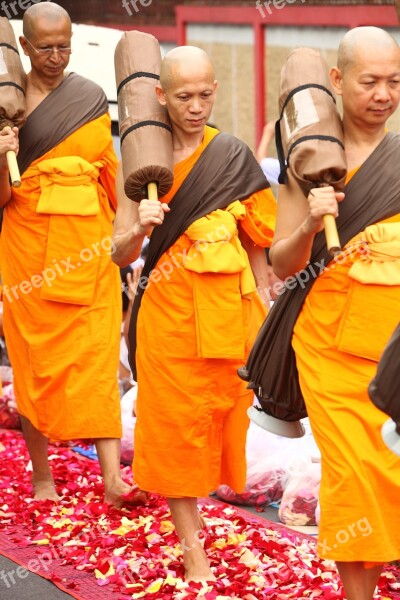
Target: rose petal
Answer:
[[135, 551]]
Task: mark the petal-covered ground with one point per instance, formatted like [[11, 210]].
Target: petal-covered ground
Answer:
[[135, 552]]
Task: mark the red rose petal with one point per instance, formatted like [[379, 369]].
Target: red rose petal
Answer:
[[249, 560]]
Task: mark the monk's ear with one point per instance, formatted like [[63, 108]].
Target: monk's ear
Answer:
[[24, 45], [337, 80], [161, 95], [215, 85]]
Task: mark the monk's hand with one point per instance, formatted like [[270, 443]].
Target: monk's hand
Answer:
[[151, 213], [321, 201], [8, 141]]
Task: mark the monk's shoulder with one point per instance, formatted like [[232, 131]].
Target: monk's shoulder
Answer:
[[86, 86], [230, 140], [396, 140]]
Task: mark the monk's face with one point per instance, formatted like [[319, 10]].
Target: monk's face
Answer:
[[370, 86], [48, 46], [190, 96]]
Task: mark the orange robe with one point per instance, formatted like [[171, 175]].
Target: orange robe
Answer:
[[195, 327], [61, 291], [346, 320]]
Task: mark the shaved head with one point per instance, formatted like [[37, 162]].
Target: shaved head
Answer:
[[187, 88], [362, 37], [47, 11], [183, 59]]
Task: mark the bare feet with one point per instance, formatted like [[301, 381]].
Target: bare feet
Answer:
[[44, 490], [196, 564], [189, 525], [122, 494]]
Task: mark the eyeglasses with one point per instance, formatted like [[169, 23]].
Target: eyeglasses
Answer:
[[49, 50]]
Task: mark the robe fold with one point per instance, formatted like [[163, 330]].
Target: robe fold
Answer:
[[61, 290], [344, 325], [198, 318]]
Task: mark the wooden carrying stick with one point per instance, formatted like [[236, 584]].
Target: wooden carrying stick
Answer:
[[331, 233], [152, 194]]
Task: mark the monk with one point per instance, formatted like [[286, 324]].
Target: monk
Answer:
[[349, 315], [200, 310], [62, 299]]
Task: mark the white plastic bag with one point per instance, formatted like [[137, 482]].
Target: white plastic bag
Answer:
[[300, 496], [268, 456]]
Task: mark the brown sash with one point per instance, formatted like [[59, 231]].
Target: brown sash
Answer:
[[73, 103], [226, 171], [384, 389], [372, 195]]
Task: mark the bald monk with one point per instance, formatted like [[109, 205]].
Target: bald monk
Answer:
[[61, 290], [350, 313], [200, 310]]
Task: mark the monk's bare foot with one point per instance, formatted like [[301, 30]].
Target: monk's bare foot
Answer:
[[122, 494], [45, 490], [197, 567]]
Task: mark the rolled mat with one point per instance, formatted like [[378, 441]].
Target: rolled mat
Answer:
[[309, 132], [144, 126], [12, 79], [384, 389]]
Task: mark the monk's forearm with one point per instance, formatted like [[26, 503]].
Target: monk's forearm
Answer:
[[258, 263], [128, 236], [259, 266], [290, 255], [261, 272], [127, 246]]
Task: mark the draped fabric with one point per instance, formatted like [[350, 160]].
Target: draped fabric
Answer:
[[340, 334], [372, 194], [61, 291], [198, 318], [81, 100]]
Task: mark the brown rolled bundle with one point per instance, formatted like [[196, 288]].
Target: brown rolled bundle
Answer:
[[144, 126], [13, 85], [384, 389], [309, 132]]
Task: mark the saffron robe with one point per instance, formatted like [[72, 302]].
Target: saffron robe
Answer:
[[61, 291], [197, 321], [345, 323]]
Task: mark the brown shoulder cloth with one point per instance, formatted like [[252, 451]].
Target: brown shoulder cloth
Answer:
[[372, 195], [226, 171]]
